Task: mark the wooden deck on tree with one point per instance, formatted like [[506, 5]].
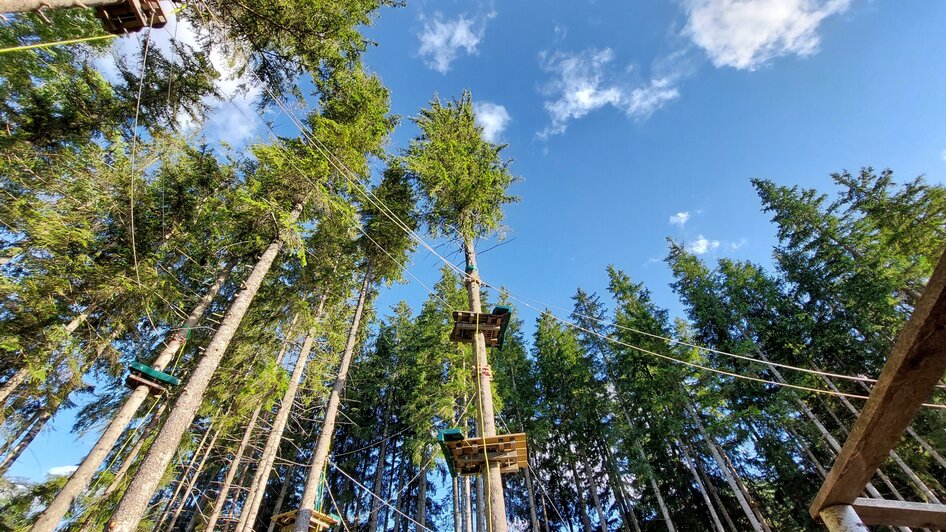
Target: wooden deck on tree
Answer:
[[131, 16], [157, 382], [493, 326], [317, 521], [468, 456]]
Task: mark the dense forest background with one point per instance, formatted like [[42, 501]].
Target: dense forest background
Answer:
[[126, 235]]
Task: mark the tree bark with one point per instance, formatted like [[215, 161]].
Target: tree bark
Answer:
[[135, 502], [27, 439], [699, 484], [23, 373], [480, 506], [232, 470], [379, 473], [81, 477], [728, 474], [592, 488], [421, 516], [467, 505], [533, 516], [320, 455], [182, 480], [664, 511], [23, 6], [486, 424], [277, 506], [268, 458], [193, 479], [708, 482]]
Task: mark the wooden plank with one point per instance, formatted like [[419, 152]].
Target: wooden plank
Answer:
[[474, 327], [917, 361], [899, 513]]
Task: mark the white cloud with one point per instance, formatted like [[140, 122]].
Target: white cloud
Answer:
[[493, 118], [441, 41], [738, 244], [944, 155], [701, 245], [680, 218], [62, 470], [582, 84], [745, 34]]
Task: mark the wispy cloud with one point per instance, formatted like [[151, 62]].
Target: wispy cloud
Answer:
[[944, 155], [738, 244], [493, 118], [62, 470], [702, 245], [442, 41], [583, 82], [680, 218], [746, 34]]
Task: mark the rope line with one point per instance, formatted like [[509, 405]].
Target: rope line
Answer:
[[55, 43], [384, 502]]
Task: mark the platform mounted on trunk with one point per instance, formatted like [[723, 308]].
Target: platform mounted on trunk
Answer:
[[467, 456], [317, 521], [157, 382], [492, 325], [131, 15]]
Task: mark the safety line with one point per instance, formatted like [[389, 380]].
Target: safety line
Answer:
[[56, 43]]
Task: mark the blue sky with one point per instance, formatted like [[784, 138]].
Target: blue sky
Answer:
[[631, 122]]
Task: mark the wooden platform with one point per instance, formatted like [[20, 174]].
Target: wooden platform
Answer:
[[134, 380], [317, 521], [131, 16], [468, 456], [493, 326]]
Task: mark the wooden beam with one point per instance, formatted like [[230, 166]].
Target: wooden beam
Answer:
[[917, 361], [899, 513]]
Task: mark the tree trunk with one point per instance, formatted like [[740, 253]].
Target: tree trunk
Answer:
[[193, 480], [232, 470], [320, 455], [533, 516], [23, 6], [31, 434], [617, 481], [699, 484], [708, 482], [379, 474], [21, 374], [480, 506], [467, 505], [133, 453], [593, 489], [81, 477], [457, 519], [182, 480], [421, 517], [728, 474], [486, 423], [135, 502], [580, 499], [265, 465], [664, 511], [277, 506]]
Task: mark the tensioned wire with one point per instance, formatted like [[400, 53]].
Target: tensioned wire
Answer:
[[341, 168]]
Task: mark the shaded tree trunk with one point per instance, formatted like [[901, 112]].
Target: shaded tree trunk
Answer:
[[232, 470], [81, 477], [320, 454], [193, 480], [277, 506], [135, 502], [699, 483], [268, 458], [15, 452], [708, 482]]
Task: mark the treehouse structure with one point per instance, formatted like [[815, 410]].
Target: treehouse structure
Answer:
[[492, 325], [158, 382], [131, 16], [317, 521], [469, 456]]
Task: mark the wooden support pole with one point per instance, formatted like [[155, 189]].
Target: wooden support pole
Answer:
[[915, 365]]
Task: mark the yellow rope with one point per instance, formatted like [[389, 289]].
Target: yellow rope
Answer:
[[57, 43], [479, 392]]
